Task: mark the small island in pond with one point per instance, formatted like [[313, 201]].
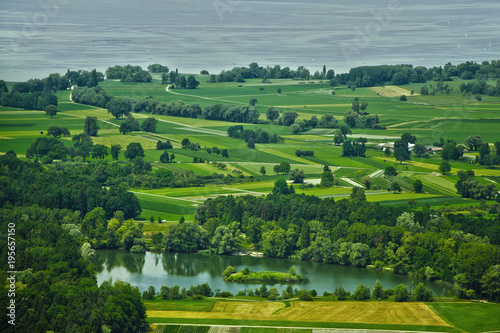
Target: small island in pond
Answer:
[[246, 276]]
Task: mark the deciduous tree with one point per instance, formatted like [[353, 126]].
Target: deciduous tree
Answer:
[[99, 151], [115, 152], [149, 125], [401, 293], [445, 167], [51, 110], [296, 175], [134, 149], [90, 126]]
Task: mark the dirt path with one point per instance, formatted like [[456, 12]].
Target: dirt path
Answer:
[[201, 97], [165, 197], [189, 128], [245, 191], [104, 121]]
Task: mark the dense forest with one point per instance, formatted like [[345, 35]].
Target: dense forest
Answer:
[[55, 285], [455, 248], [72, 187]]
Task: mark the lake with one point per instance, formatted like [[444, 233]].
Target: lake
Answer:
[[46, 36], [184, 270]]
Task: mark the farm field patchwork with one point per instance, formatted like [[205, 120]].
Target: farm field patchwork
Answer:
[[427, 117], [418, 314]]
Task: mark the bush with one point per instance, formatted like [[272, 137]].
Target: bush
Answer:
[[137, 249], [423, 294], [46, 160], [197, 298], [340, 293], [401, 293], [226, 294], [229, 270], [362, 292], [304, 295], [299, 152]]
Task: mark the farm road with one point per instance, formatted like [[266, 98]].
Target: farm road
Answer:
[[164, 196], [189, 128]]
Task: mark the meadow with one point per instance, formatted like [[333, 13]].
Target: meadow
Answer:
[[428, 117], [439, 316], [320, 314]]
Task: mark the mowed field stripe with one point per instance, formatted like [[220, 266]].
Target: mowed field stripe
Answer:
[[285, 155], [339, 312]]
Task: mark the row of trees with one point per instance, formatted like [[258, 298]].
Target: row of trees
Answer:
[[362, 292], [55, 82], [258, 135], [240, 74], [122, 107], [132, 125], [367, 76], [36, 100], [157, 68], [180, 81], [357, 147], [481, 87], [128, 73], [39, 94]]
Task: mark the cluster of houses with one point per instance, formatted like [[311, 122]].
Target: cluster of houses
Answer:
[[428, 149]]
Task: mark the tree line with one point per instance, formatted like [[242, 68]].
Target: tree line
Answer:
[[122, 107], [128, 73], [258, 135], [363, 292], [368, 76], [240, 74], [365, 76]]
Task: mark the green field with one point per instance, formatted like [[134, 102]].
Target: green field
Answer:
[[470, 317], [428, 117], [439, 316]]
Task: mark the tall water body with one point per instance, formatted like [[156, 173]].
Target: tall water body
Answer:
[[38, 37]]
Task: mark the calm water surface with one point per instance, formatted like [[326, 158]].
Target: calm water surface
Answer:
[[184, 270], [38, 37]]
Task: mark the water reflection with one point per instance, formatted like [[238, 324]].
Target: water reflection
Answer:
[[107, 260], [184, 270]]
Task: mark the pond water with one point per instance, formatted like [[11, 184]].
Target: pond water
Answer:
[[184, 270]]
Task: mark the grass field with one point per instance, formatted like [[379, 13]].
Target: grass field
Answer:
[[428, 117], [336, 312], [439, 316], [470, 317]]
